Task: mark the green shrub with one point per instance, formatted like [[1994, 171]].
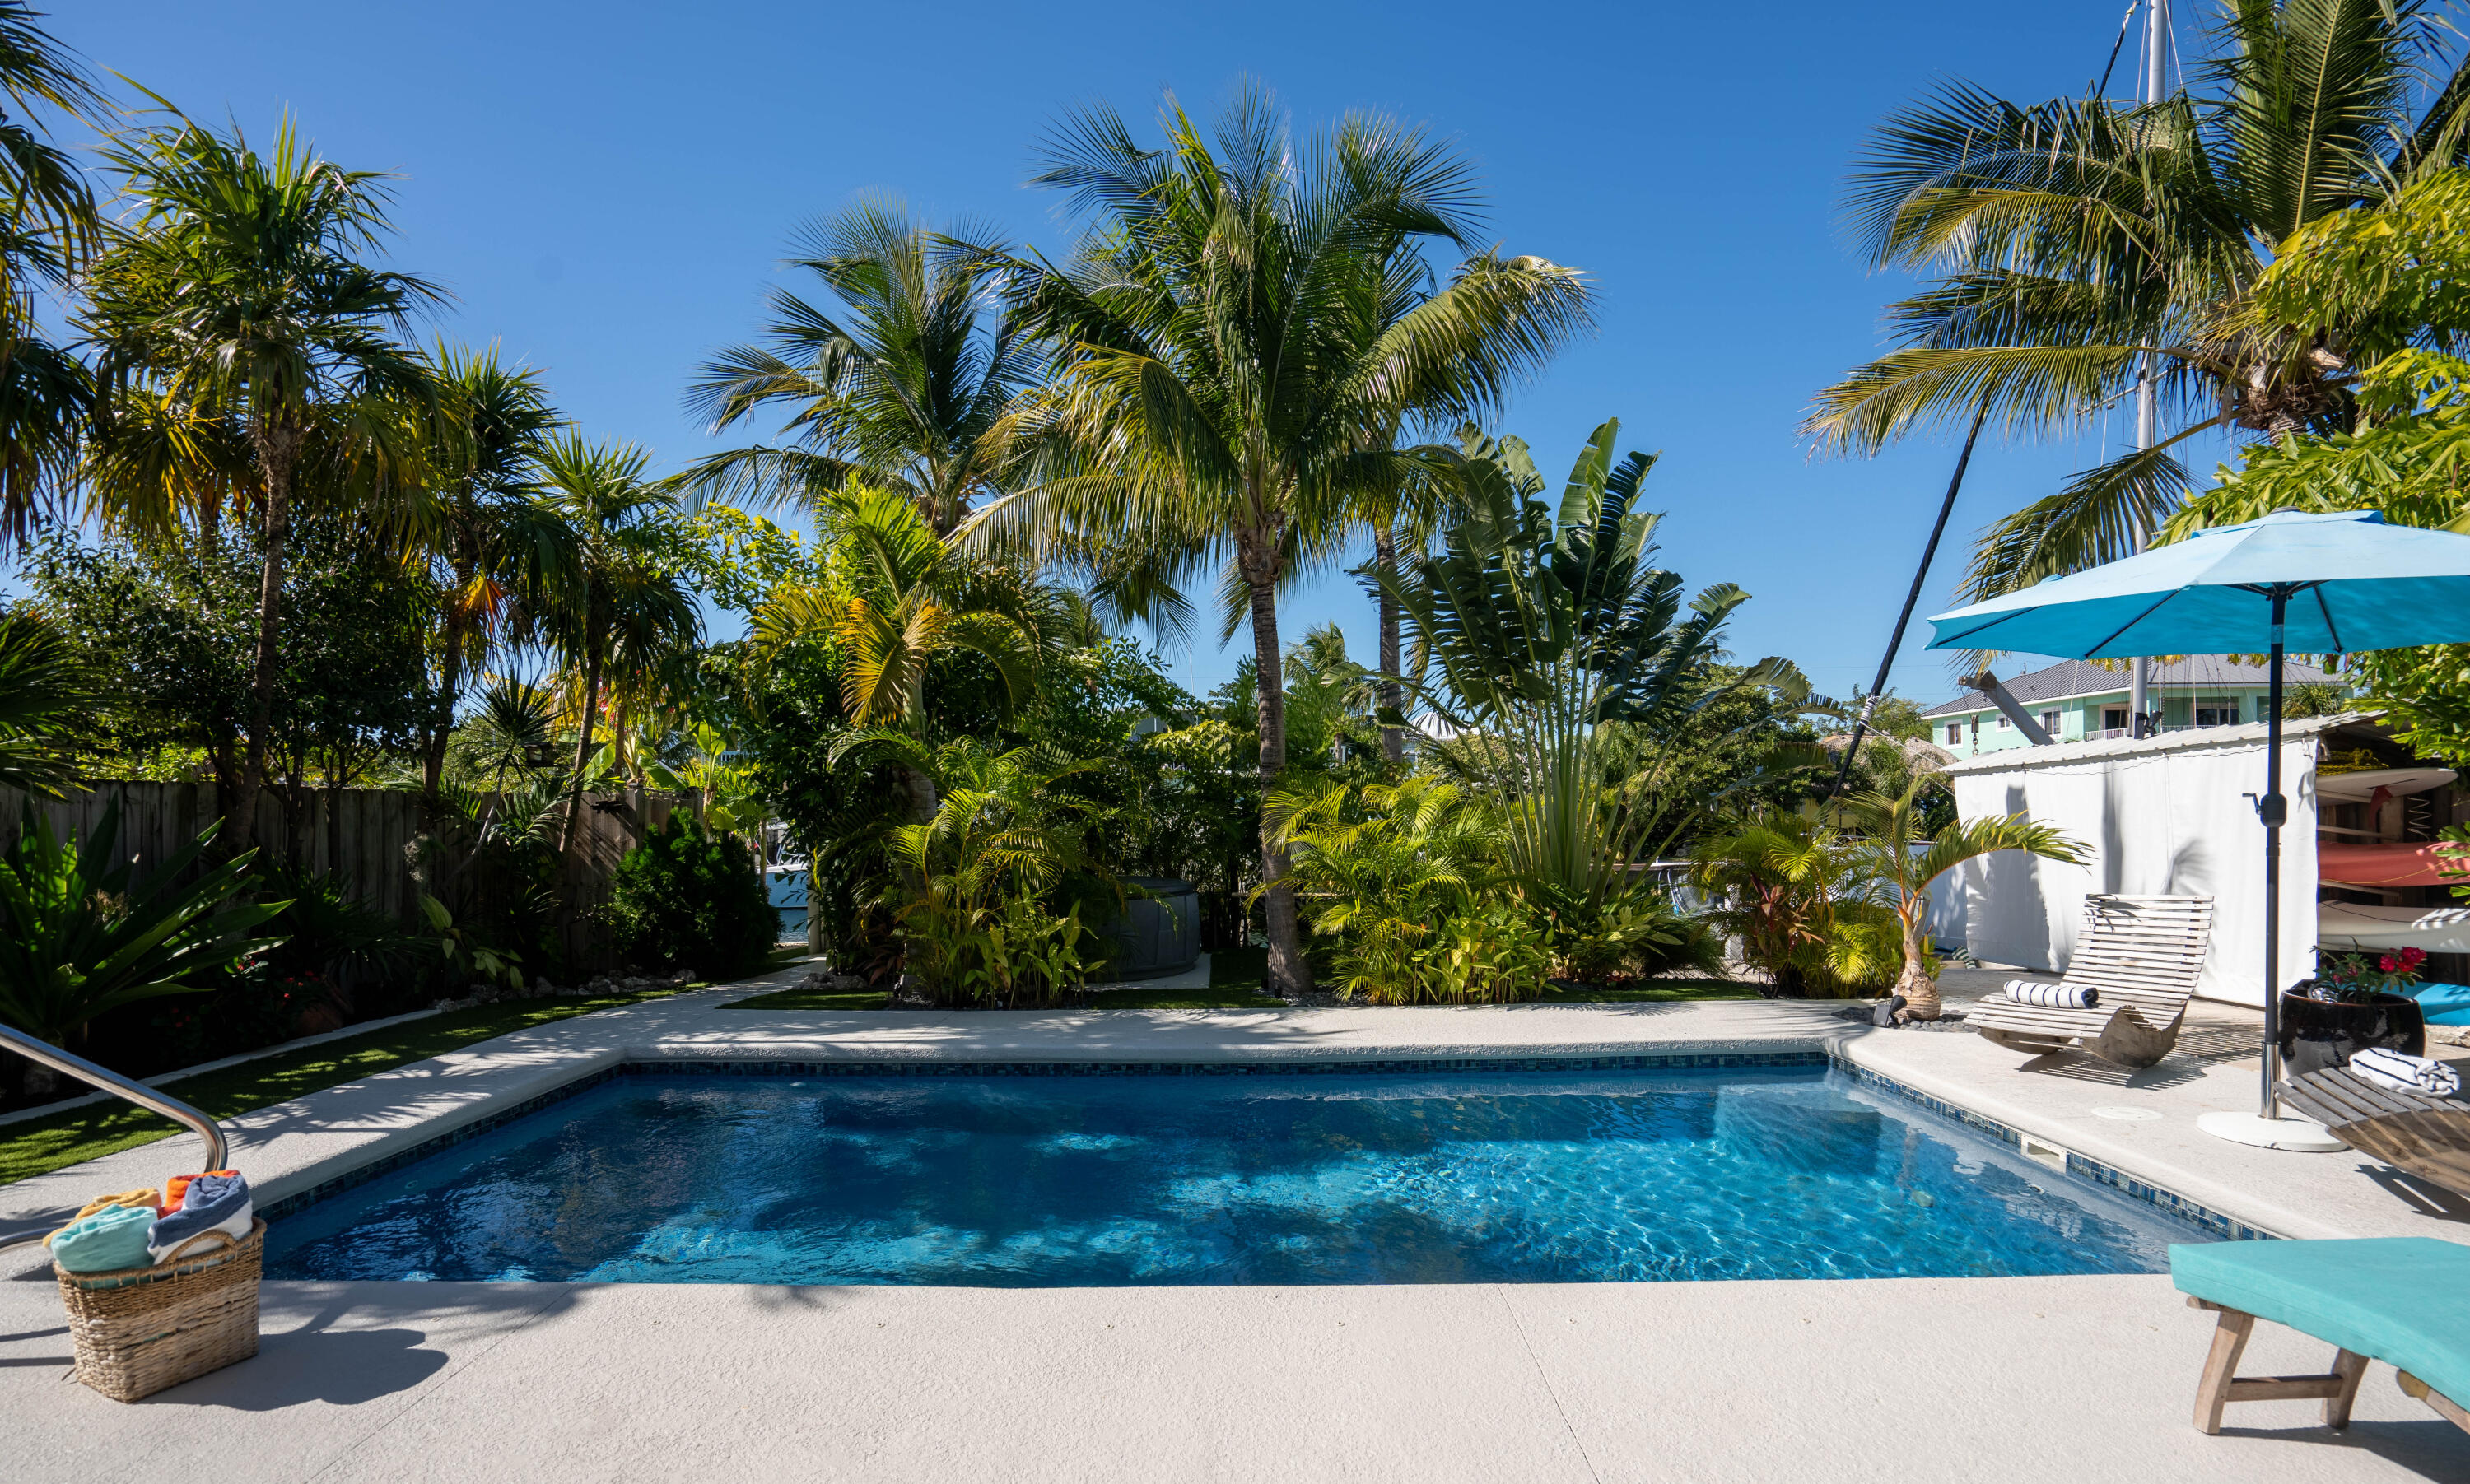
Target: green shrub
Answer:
[[687, 898]]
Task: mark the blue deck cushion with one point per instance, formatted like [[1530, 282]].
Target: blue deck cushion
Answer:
[[2443, 1005], [2402, 1300]]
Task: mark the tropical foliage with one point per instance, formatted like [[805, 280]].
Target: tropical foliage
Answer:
[[84, 936], [2074, 246], [1219, 398], [1552, 639], [689, 896]]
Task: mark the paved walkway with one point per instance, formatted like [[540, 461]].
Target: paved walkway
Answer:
[[2073, 1378]]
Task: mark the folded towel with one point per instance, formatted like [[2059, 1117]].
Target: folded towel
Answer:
[[177, 1186], [2023, 991], [211, 1202], [111, 1238], [2386, 1067]]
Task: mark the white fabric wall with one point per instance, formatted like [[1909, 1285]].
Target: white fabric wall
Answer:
[[2163, 817]]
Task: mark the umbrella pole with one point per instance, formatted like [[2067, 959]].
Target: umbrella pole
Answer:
[[2273, 809], [2268, 1129]]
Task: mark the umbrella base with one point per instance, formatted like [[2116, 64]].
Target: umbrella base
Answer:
[[2298, 1135]]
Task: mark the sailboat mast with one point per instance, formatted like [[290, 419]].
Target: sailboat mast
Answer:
[[2147, 398]]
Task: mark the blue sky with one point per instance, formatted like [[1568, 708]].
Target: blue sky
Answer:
[[606, 188]]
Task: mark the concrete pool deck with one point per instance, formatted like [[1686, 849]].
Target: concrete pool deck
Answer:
[[1968, 1378]]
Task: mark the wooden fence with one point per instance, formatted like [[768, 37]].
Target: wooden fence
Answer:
[[370, 836]]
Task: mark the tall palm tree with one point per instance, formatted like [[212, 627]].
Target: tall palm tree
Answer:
[[235, 300], [2071, 246], [47, 229], [616, 609], [1214, 389], [502, 546], [898, 387]]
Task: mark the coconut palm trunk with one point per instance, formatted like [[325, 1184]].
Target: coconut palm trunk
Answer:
[[1289, 975], [1393, 695], [278, 453], [592, 647], [449, 683]]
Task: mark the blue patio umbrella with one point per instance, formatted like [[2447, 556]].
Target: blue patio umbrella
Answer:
[[2320, 584]]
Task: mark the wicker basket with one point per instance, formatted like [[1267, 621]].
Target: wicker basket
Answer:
[[139, 1330]]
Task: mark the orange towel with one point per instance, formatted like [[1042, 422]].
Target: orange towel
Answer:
[[178, 1186], [143, 1197]]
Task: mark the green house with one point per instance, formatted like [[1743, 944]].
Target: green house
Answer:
[[2077, 700]]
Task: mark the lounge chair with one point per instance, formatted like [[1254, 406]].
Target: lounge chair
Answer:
[[2416, 1133], [2402, 1300], [2143, 954]]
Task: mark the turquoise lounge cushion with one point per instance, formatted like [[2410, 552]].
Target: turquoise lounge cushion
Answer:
[[2443, 1005], [2402, 1300]]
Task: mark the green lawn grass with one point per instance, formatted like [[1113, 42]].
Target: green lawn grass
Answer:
[[1234, 984], [815, 1000], [42, 1145], [1654, 992]]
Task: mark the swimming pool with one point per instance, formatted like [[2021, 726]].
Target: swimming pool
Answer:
[[1076, 1180]]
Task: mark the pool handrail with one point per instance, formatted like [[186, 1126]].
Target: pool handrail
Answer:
[[110, 1081]]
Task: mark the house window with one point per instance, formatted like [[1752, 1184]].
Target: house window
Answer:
[[1954, 732], [2113, 718], [2217, 711], [2003, 723], [2050, 722]]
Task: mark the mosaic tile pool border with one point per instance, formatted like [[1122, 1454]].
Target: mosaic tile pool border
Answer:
[[2168, 1202]]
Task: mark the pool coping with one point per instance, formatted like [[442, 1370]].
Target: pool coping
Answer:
[[2167, 1202]]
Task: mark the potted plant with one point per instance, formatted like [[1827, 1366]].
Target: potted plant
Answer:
[[2354, 1002]]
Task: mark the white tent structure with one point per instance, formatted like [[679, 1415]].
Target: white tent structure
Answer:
[[2164, 816]]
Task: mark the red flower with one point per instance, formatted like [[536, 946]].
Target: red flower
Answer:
[[2413, 958], [2388, 964]]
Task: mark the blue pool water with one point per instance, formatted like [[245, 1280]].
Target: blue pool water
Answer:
[[1060, 1181]]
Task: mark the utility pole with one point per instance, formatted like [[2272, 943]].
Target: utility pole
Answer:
[[2141, 713]]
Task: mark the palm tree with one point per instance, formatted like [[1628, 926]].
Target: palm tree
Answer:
[[2072, 246], [617, 609], [47, 229], [234, 301], [914, 601], [501, 545], [43, 687], [1216, 393], [899, 388], [1899, 863]]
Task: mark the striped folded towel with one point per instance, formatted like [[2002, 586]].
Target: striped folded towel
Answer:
[[2023, 991], [2386, 1067]]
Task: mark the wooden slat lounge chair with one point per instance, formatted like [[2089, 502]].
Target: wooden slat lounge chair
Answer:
[[2143, 954], [2402, 1300], [2416, 1133]]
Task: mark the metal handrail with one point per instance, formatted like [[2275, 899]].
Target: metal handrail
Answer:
[[110, 1081]]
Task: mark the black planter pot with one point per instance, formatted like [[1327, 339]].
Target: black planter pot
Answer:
[[2319, 1033]]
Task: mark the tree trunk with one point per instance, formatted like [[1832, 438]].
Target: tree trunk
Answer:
[[1393, 695], [583, 742], [923, 799], [1918, 989], [277, 449], [450, 681], [1289, 977]]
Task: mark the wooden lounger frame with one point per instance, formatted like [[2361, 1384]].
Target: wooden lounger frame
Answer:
[[2338, 1386], [2416, 1133], [2144, 954]]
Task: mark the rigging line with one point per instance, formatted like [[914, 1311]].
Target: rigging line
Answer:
[[1894, 641], [2102, 89]]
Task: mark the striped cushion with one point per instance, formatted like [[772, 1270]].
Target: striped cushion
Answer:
[[2024, 991]]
